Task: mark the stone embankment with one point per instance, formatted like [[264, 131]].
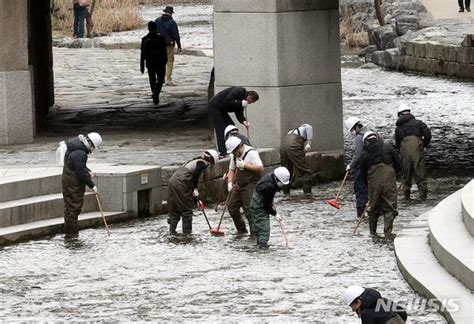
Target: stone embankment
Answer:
[[434, 254], [31, 203], [413, 40]]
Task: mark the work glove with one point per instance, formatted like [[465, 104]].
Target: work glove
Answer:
[[240, 164], [91, 174], [246, 124], [278, 218], [307, 147], [224, 177], [94, 189], [348, 167], [230, 186], [195, 193], [244, 103]]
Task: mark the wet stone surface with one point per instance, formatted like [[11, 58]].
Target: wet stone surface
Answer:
[[141, 273]]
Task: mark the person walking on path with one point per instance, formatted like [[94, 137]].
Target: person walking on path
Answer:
[[233, 99], [293, 154], [378, 163], [183, 191], [76, 175], [169, 29], [241, 183], [354, 126], [153, 56], [80, 12], [372, 308], [464, 4], [261, 205], [412, 136], [232, 130]]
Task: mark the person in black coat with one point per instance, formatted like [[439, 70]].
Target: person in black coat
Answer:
[[372, 308], [412, 136], [153, 56], [233, 99]]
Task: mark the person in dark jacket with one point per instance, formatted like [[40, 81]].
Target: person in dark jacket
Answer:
[[183, 190], [232, 130], [261, 205], [233, 99], [76, 175], [293, 154], [372, 308], [354, 125], [412, 136], [153, 56], [169, 29], [378, 164]]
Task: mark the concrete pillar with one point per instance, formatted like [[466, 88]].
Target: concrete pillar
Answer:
[[16, 108], [288, 51]]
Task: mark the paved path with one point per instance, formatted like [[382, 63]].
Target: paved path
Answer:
[[446, 9]]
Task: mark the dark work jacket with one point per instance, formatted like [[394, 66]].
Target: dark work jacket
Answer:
[[230, 100], [76, 160], [386, 310], [169, 29], [377, 152], [153, 52], [407, 125], [267, 188]]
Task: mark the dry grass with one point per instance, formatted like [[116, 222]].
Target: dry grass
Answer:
[[353, 31]]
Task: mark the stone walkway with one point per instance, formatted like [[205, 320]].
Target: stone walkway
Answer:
[[442, 9]]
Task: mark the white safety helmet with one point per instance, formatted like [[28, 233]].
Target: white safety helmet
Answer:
[[368, 135], [351, 294], [213, 154], [282, 174], [232, 143], [402, 108], [95, 139], [230, 129], [350, 122]]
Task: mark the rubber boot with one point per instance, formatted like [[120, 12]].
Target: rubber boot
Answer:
[[187, 225], [387, 226], [263, 245], [373, 225], [71, 228], [173, 224], [423, 194], [406, 194], [307, 188]]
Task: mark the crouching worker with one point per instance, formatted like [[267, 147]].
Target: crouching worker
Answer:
[[182, 190], [371, 307], [76, 175], [293, 154], [245, 168], [262, 203], [378, 163], [232, 130]]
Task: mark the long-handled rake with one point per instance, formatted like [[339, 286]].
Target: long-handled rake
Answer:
[[201, 207], [333, 202], [361, 218], [218, 231], [219, 195], [102, 213]]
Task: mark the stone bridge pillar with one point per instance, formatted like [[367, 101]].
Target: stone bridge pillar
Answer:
[[16, 108], [288, 51]]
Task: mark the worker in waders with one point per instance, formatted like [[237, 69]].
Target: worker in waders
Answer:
[[371, 307], [412, 136], [241, 182], [262, 203], [232, 130], [378, 163], [354, 126], [233, 99], [76, 175], [293, 154], [183, 190]]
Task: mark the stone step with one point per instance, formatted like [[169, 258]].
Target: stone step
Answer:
[[37, 208], [30, 185], [450, 241], [467, 201], [52, 226], [426, 276]]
